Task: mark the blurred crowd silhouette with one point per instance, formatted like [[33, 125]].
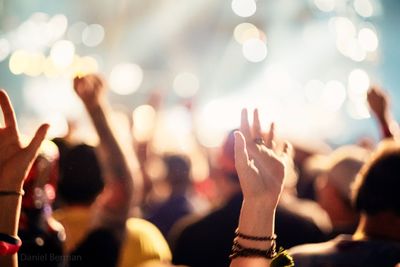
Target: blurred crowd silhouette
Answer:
[[103, 205]]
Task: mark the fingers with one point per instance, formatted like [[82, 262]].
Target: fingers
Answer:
[[8, 111], [256, 125], [37, 140], [241, 156], [244, 126]]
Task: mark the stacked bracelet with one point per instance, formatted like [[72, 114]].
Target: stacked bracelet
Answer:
[[9, 244], [240, 251]]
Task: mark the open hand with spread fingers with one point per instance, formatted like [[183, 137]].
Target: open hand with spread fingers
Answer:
[[15, 160], [259, 163]]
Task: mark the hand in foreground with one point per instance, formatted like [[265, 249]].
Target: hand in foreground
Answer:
[[90, 88], [260, 165], [378, 101], [15, 161]]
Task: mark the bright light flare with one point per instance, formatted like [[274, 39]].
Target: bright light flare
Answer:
[[19, 62], [358, 84], [364, 8], [125, 78], [245, 31], [333, 96], [325, 5]]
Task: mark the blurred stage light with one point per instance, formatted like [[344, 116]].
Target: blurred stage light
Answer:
[[59, 125], [5, 48], [19, 61], [358, 109], [254, 50], [333, 96], [62, 53], [358, 84], [125, 78], [355, 51], [363, 8], [35, 65], [75, 32], [325, 5], [368, 39], [186, 84], [57, 26], [245, 31], [93, 35], [244, 8], [144, 119]]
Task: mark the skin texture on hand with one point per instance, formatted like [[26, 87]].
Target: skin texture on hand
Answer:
[[15, 162], [378, 101], [261, 169]]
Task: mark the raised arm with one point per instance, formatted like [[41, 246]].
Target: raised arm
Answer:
[[15, 162], [261, 169], [116, 198], [378, 101]]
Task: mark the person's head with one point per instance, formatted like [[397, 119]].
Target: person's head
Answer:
[[376, 189], [81, 181], [177, 171], [333, 184]]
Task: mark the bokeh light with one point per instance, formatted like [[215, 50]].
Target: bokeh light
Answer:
[[5, 48], [144, 119], [368, 39], [125, 78], [333, 96], [254, 50], [93, 35], [325, 5], [358, 84], [186, 84], [245, 31], [75, 32], [363, 8], [244, 8], [62, 53], [19, 61]]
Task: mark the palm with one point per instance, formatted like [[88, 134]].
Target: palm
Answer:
[[260, 167], [15, 160]]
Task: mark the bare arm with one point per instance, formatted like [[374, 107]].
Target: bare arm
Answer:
[[15, 162], [379, 104], [261, 169], [116, 198]]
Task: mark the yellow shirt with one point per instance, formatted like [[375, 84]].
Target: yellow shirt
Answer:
[[143, 240]]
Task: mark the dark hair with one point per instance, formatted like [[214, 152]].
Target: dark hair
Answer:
[[81, 181], [178, 169], [378, 183]]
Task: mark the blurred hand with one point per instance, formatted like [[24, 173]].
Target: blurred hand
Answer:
[[378, 101], [15, 161], [90, 88], [260, 165]]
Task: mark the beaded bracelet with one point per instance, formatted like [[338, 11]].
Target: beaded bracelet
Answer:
[[240, 251], [255, 238]]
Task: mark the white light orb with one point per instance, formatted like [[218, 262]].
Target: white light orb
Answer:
[[325, 5], [254, 50], [62, 53], [333, 96], [358, 84], [368, 39], [125, 78], [363, 8], [93, 35], [144, 118], [245, 31], [244, 8], [186, 84]]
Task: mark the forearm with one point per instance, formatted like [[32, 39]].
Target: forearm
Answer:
[[10, 207], [116, 162], [388, 125], [256, 219]]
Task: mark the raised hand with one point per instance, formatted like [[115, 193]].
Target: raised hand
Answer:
[[378, 101], [90, 88], [15, 160], [260, 165]]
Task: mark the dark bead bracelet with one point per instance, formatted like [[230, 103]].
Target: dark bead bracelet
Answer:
[[255, 238]]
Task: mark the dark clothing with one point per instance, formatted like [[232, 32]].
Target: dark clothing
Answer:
[[169, 212], [345, 252], [100, 248], [208, 241]]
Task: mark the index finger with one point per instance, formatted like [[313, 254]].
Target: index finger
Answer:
[[8, 111]]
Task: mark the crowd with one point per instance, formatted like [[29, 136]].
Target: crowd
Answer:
[[64, 203]]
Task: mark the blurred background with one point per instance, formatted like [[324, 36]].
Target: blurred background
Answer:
[[306, 64]]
